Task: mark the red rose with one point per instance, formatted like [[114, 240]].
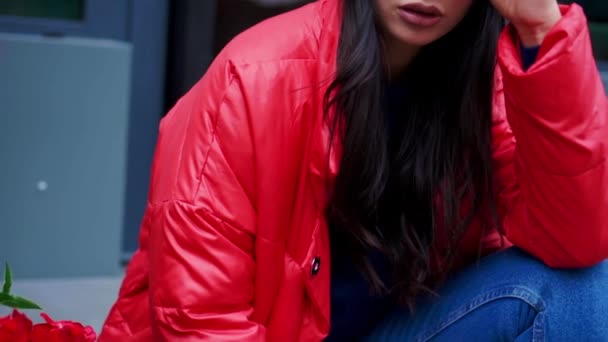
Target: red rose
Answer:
[[61, 331], [15, 327]]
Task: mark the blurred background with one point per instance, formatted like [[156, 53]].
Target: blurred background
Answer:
[[83, 85]]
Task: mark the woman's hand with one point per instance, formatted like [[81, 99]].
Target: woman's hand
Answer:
[[533, 19]]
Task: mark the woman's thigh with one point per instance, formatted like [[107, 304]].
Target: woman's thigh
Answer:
[[508, 296]]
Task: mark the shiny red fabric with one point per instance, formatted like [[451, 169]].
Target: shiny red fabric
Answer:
[[235, 217]]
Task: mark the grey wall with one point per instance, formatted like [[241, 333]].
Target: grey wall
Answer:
[[142, 24], [63, 143]]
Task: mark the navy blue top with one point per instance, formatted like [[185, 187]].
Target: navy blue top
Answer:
[[354, 308], [528, 56]]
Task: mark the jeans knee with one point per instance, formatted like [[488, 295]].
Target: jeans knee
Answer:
[[501, 314]]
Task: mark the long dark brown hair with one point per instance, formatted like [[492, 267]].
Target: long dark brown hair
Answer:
[[393, 191]]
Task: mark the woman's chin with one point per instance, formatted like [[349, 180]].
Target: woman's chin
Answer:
[[419, 39]]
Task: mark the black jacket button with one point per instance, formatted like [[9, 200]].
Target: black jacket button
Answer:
[[316, 266]]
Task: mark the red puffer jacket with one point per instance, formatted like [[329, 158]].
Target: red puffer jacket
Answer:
[[234, 243]]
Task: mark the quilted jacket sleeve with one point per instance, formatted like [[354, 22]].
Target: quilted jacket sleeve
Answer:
[[202, 217], [550, 147]]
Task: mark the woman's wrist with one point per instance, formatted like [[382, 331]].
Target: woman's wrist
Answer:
[[533, 33]]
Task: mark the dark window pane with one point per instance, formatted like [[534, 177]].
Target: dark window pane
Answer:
[[53, 9], [596, 10], [599, 37]]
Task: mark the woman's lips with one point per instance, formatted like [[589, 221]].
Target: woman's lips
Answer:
[[420, 15]]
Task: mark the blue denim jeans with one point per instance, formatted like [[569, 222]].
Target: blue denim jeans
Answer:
[[508, 296]]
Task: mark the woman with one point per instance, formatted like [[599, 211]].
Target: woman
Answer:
[[380, 130]]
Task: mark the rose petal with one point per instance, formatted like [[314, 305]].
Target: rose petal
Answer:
[[15, 328], [63, 331], [47, 318], [22, 320], [89, 334], [40, 332]]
